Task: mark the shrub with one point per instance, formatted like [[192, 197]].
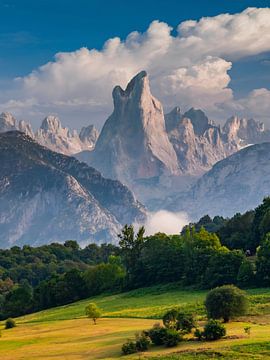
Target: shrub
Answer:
[[198, 334], [93, 312], [170, 319], [10, 323], [172, 338], [129, 347], [214, 330], [157, 334], [185, 322], [226, 302], [142, 342]]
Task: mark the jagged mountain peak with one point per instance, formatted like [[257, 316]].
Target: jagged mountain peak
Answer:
[[7, 122], [136, 89], [173, 118], [199, 120], [134, 143], [51, 123]]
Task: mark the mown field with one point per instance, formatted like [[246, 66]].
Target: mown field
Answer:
[[65, 333]]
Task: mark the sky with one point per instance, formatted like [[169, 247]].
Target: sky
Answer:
[[65, 57]]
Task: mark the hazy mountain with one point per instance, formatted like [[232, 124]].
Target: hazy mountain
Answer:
[[235, 184], [53, 135], [46, 196]]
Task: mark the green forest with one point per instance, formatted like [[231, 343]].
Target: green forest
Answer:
[[207, 254]]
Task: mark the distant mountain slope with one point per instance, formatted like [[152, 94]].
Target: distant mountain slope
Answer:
[[46, 196], [235, 184]]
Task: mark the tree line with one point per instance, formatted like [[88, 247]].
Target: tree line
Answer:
[[210, 253]]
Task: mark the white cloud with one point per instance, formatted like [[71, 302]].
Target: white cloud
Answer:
[[165, 221], [189, 69]]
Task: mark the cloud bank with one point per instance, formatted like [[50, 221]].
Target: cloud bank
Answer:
[[190, 68]]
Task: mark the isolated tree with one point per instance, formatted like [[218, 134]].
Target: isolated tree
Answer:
[[226, 302], [93, 312]]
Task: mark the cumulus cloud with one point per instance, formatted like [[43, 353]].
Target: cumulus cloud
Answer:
[[189, 68], [166, 222]]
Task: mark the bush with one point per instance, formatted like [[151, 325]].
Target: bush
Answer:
[[185, 322], [142, 342], [172, 338], [129, 347], [226, 302], [157, 334], [170, 319], [10, 323], [214, 330], [198, 334]]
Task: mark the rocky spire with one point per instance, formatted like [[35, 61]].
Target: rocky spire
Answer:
[[133, 143]]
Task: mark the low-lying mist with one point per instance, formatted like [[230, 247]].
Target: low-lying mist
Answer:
[[166, 222]]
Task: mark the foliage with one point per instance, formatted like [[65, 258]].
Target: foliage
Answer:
[[226, 302], [263, 262], [170, 319], [10, 323], [223, 268], [236, 233], [157, 334], [246, 274], [93, 312], [213, 330], [172, 338], [185, 322], [104, 277], [129, 347], [142, 342]]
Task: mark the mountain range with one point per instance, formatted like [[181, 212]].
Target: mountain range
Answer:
[[181, 161], [52, 135]]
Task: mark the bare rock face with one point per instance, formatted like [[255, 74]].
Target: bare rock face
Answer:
[[7, 122], [243, 131], [46, 196], [133, 143], [57, 138], [88, 136], [197, 142], [26, 128]]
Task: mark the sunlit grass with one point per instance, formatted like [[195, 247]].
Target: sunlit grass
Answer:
[[65, 333]]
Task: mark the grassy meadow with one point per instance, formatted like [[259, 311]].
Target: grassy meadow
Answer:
[[65, 333]]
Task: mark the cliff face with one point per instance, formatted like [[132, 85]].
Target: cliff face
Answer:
[[46, 196], [133, 143]]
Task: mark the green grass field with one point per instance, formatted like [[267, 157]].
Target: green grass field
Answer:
[[65, 333]]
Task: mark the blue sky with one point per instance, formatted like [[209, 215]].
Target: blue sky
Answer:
[[32, 32]]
